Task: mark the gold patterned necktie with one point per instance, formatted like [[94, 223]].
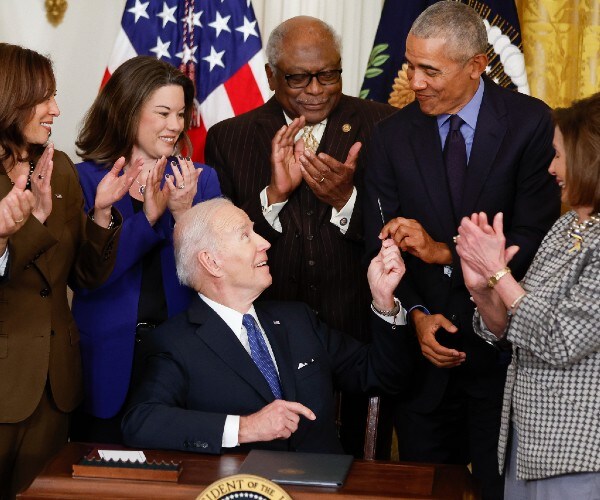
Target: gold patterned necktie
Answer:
[[310, 142]]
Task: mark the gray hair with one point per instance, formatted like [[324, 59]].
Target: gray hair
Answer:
[[196, 230], [306, 24], [458, 24]]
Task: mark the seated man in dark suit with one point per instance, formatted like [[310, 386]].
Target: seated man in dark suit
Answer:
[[231, 373]]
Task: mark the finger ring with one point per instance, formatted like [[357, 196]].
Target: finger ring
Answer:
[[181, 186], [40, 176], [455, 238], [322, 179], [20, 220]]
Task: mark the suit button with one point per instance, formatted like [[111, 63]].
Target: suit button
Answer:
[[296, 234], [52, 333], [44, 292], [186, 444], [310, 237], [311, 262], [313, 287], [200, 444], [309, 212]]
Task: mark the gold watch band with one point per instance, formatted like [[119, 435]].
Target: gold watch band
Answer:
[[494, 278]]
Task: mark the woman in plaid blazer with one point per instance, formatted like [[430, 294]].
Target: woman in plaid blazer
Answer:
[[552, 392]]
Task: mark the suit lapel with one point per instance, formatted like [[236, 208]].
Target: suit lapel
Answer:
[[489, 134], [215, 333], [427, 150], [278, 338]]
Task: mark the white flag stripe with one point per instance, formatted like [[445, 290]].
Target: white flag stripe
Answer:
[[216, 107], [257, 65], [122, 51]]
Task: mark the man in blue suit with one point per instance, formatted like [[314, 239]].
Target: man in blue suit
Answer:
[[465, 145], [231, 374]]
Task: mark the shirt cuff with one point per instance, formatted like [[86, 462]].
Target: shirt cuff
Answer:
[[4, 261], [398, 319], [342, 218], [271, 212], [231, 431]]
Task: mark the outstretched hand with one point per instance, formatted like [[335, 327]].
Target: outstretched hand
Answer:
[[285, 165], [113, 187], [40, 184], [384, 275], [411, 237], [483, 247], [277, 420], [329, 179], [15, 209]]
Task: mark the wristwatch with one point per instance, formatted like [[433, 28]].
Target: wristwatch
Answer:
[[494, 278]]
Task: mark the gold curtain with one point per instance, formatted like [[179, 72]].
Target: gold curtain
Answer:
[[561, 42]]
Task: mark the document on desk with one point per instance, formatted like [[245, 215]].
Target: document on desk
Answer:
[[287, 467]]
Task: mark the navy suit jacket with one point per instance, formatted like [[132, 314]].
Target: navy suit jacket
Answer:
[[507, 172], [107, 315], [197, 372]]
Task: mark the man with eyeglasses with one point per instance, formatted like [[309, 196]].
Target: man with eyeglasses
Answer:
[[465, 145], [305, 195]]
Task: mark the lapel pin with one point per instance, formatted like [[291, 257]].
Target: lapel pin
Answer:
[[58, 195], [276, 322], [346, 127]]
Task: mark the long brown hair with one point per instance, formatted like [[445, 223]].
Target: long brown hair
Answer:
[[580, 128], [110, 126], [26, 80]]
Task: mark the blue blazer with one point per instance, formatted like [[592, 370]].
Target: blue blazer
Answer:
[[197, 372], [107, 316]]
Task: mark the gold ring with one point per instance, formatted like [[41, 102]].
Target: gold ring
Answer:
[[20, 220], [322, 179], [40, 176]]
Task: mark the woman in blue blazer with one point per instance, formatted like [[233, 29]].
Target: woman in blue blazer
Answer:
[[143, 112]]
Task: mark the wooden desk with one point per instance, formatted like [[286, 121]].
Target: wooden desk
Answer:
[[367, 480]]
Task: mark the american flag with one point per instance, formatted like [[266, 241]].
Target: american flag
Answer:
[[215, 42]]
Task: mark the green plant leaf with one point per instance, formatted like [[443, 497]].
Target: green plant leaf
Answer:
[[364, 93], [376, 50], [373, 72], [379, 60]]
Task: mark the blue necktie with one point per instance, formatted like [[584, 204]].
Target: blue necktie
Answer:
[[261, 356], [455, 158]]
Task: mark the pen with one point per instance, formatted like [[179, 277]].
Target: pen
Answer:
[[381, 212]]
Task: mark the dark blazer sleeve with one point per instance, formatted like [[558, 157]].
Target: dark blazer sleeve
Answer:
[[158, 415]]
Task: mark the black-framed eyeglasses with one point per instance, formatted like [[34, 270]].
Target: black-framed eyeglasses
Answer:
[[302, 80]]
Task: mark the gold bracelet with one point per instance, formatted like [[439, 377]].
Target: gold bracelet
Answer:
[[493, 280], [516, 302]]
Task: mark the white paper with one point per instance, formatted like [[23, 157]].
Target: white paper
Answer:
[[126, 456]]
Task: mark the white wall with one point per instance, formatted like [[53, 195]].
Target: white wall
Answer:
[[80, 46]]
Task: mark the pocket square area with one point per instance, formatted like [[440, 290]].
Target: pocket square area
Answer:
[[302, 365]]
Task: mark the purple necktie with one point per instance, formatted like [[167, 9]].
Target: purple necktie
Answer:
[[260, 355], [455, 158]]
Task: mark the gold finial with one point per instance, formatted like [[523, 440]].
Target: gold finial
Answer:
[[401, 94], [55, 11]]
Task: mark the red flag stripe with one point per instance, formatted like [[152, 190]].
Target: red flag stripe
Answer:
[[243, 91]]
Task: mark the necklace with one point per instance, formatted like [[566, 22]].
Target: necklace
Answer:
[[577, 228], [142, 187], [31, 169]]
